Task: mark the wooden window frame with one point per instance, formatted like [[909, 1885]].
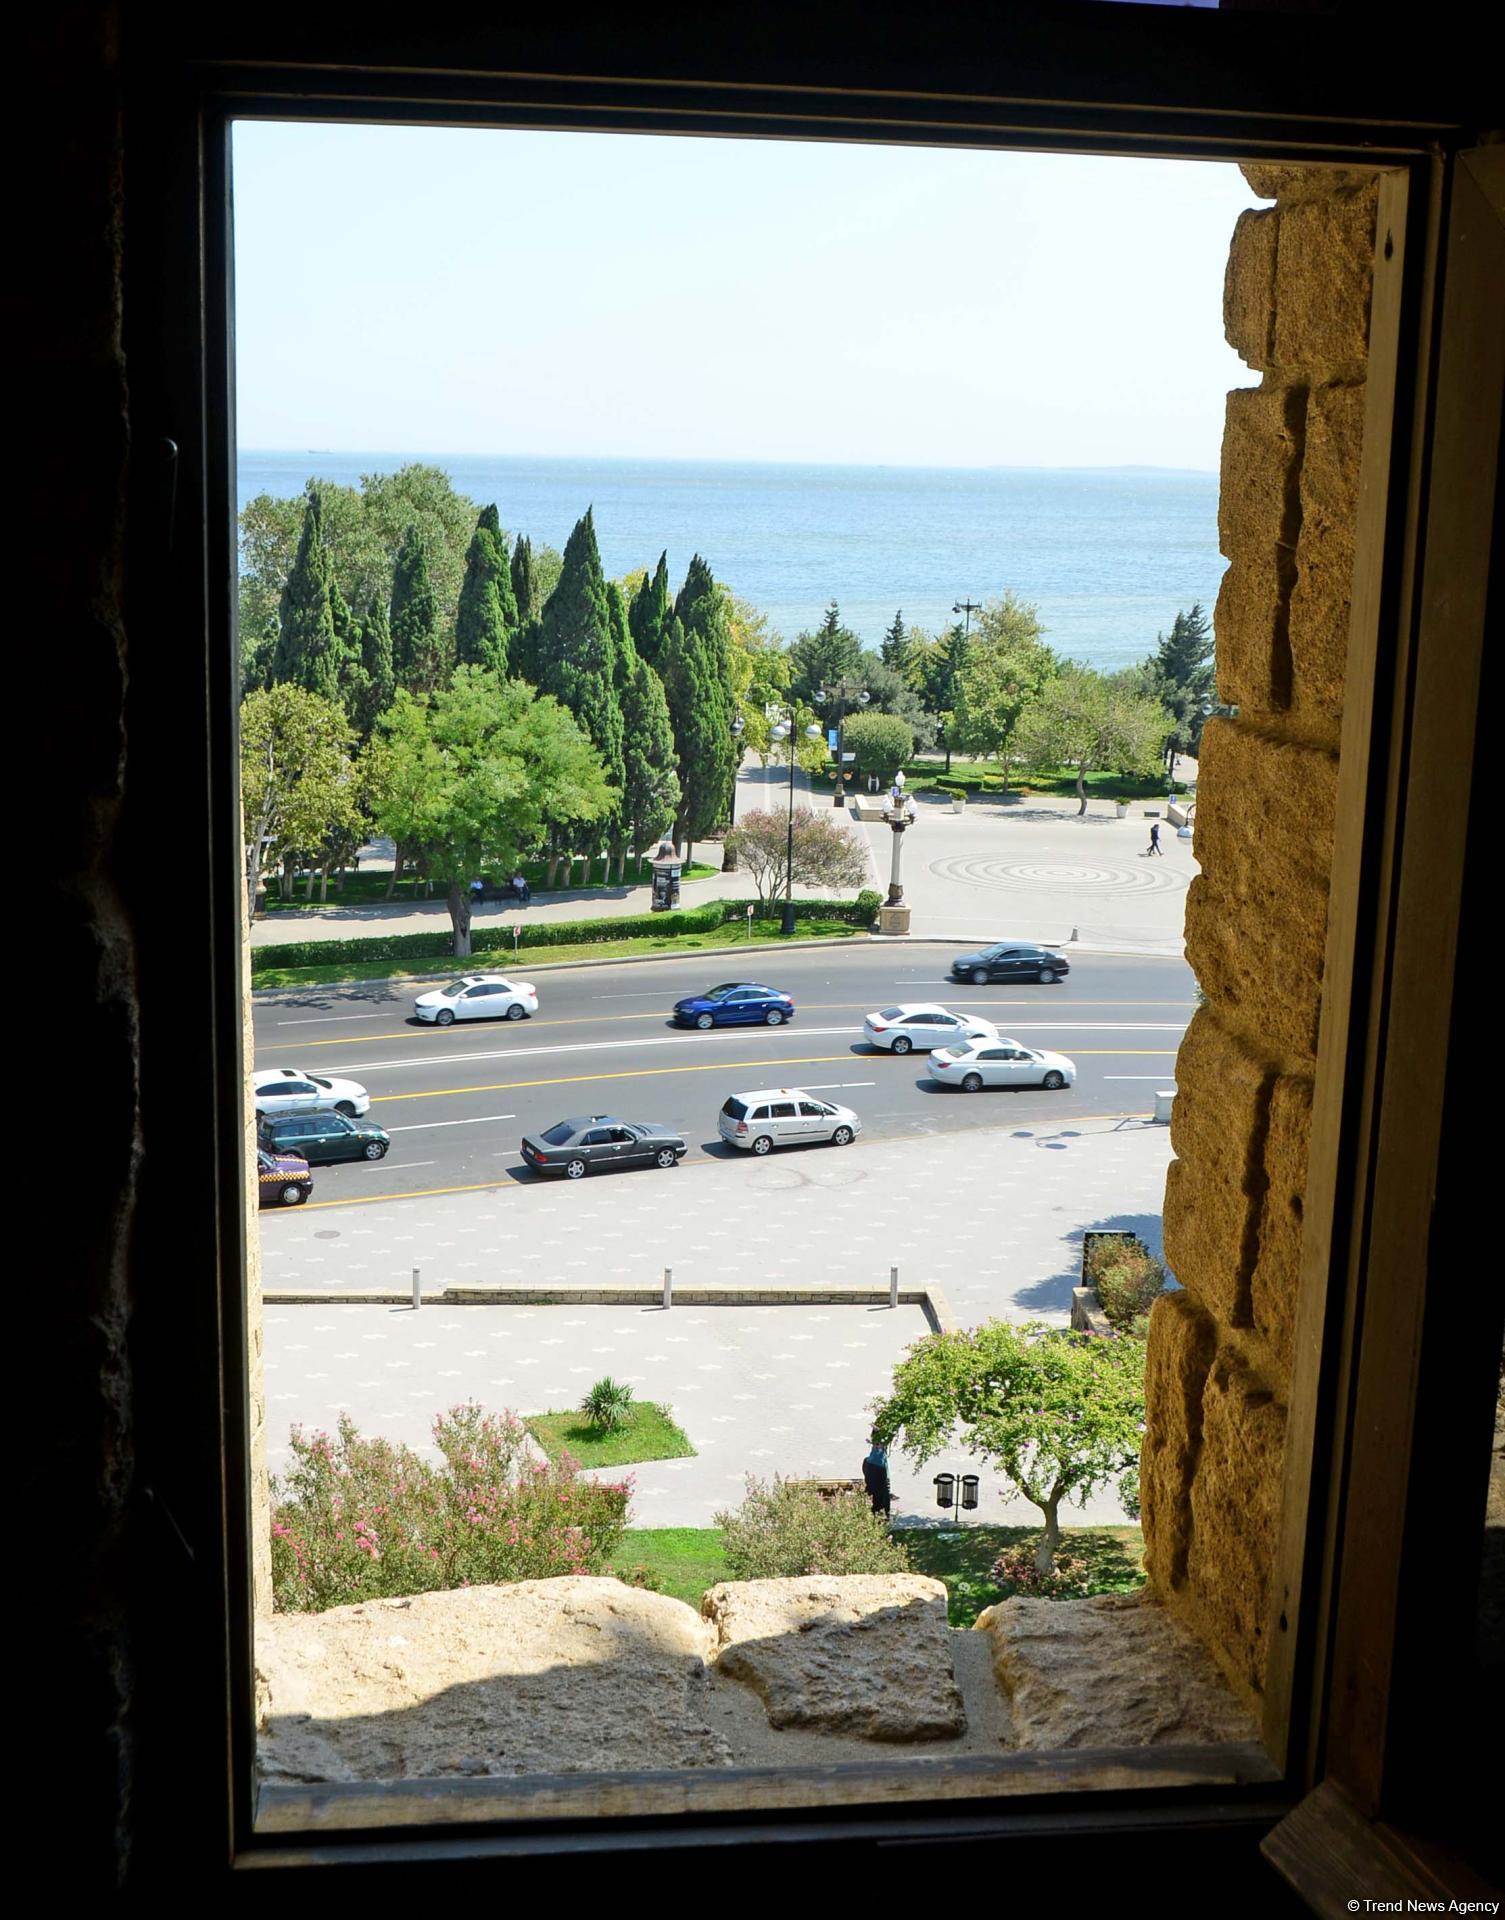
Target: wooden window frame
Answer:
[[1115, 80]]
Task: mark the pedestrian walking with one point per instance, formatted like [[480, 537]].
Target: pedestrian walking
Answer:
[[1155, 846], [875, 1478]]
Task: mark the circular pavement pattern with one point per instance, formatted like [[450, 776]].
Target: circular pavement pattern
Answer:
[[1147, 876]]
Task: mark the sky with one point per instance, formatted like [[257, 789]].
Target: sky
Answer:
[[429, 290]]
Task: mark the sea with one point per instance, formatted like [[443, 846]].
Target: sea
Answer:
[[1107, 555]]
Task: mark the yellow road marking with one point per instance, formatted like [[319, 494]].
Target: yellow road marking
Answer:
[[692, 1157], [594, 1019]]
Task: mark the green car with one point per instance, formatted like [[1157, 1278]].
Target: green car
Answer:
[[321, 1137]]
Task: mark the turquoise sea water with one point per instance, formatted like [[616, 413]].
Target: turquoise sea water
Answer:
[[1107, 555]]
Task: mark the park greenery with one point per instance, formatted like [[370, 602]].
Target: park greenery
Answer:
[[1058, 1414], [411, 669], [786, 1529], [801, 845]]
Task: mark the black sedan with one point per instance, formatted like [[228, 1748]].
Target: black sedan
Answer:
[[1011, 960], [597, 1143]]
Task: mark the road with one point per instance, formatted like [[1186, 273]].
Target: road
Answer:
[[457, 1101]]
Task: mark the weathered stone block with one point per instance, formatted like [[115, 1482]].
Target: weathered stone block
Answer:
[[1277, 180], [863, 1654], [1275, 1281], [544, 1676], [1258, 512], [1112, 1671], [1215, 1184], [1249, 287], [1322, 593], [1256, 915], [1183, 1340], [1235, 1516], [1324, 272]]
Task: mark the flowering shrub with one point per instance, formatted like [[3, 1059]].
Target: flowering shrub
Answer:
[[1016, 1572], [789, 1528], [357, 1519], [1127, 1279]]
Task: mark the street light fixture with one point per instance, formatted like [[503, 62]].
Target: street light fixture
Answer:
[[785, 731], [729, 858], [843, 696]]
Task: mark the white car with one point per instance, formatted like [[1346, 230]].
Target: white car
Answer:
[[784, 1117], [918, 1029], [1000, 1063], [477, 996], [287, 1089]]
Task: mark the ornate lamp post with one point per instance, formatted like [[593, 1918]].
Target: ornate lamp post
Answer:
[[844, 695], [899, 813], [785, 731], [729, 858]]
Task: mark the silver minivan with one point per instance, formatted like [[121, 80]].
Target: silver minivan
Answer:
[[785, 1117]]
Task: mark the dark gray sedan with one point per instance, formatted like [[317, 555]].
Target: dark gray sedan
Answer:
[[597, 1143]]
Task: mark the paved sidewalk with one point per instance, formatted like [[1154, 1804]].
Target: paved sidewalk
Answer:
[[781, 1388]]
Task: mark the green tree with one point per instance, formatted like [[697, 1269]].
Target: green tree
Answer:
[[378, 682], [1006, 668], [470, 775], [1058, 1414], [833, 652], [1084, 721], [418, 652], [759, 667], [650, 785], [579, 650], [825, 854], [297, 784], [1184, 678], [879, 742], [935, 666], [487, 613], [314, 649], [695, 660], [896, 645], [525, 595], [648, 614]]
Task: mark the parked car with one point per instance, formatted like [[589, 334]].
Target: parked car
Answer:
[[322, 1136], [785, 1117], [478, 996], [282, 1179], [918, 1029], [1000, 1063], [1011, 960], [597, 1143], [284, 1089], [739, 1003]]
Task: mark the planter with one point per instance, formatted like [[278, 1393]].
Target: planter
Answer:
[[1121, 809], [958, 803]]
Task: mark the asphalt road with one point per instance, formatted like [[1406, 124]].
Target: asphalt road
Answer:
[[458, 1100]]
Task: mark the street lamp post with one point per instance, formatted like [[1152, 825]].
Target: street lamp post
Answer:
[[899, 815], [729, 857], [844, 695], [785, 731]]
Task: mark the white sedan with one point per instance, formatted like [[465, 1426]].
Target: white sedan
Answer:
[[1000, 1062], [918, 1029], [287, 1089], [477, 996]]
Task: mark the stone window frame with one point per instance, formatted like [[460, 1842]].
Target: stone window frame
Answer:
[[1371, 1213]]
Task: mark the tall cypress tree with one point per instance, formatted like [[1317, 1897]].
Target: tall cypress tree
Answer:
[[700, 609], [487, 612], [650, 611], [578, 650], [417, 648], [894, 649], [377, 682], [524, 586], [314, 639], [650, 787]]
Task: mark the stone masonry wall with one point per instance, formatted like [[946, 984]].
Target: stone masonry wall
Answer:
[[1296, 308]]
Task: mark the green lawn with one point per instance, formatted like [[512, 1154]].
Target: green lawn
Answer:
[[367, 887], [764, 933], [684, 1561], [986, 778], [681, 1561], [650, 1434]]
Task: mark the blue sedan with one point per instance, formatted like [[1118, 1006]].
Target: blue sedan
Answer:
[[740, 1003]]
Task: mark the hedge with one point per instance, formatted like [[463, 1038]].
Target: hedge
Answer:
[[494, 938]]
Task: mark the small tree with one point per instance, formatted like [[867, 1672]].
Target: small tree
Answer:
[[1092, 724], [878, 742], [297, 783], [1059, 1414], [824, 854]]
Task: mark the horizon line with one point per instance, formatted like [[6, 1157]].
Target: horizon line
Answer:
[[428, 456]]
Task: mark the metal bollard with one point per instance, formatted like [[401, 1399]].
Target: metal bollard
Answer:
[[668, 1287], [893, 1286], [417, 1290]]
